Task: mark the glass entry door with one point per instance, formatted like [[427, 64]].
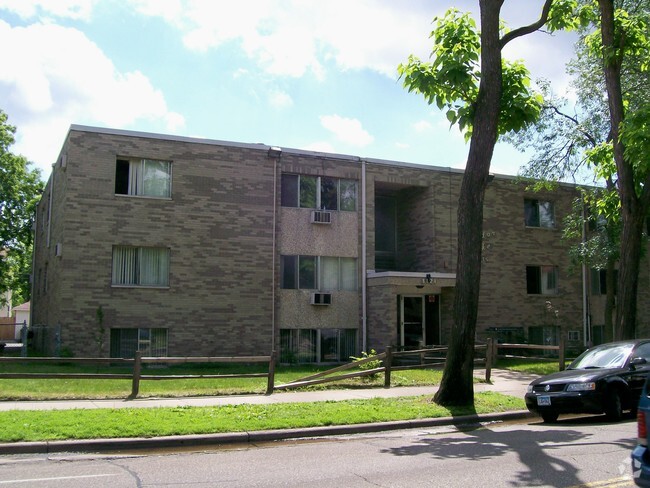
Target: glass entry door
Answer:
[[412, 331]]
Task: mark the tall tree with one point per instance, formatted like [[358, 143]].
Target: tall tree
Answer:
[[564, 143], [623, 35], [20, 188], [486, 99]]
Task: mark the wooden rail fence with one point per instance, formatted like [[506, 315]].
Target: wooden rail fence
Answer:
[[385, 363], [136, 363]]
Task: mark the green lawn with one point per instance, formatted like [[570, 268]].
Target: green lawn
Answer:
[[530, 366], [20, 425], [51, 389]]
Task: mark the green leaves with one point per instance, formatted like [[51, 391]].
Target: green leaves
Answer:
[[20, 189], [635, 135], [451, 80], [571, 15]]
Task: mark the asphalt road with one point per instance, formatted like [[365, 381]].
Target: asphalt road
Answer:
[[585, 452]]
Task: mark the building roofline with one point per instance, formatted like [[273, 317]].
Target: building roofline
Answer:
[[257, 146], [287, 150]]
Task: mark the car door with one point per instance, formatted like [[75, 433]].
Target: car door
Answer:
[[639, 373]]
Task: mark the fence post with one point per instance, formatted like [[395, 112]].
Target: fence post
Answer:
[[23, 339], [488, 359], [388, 361], [561, 353], [270, 386], [137, 369]]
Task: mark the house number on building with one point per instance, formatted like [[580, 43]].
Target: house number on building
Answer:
[[487, 245]]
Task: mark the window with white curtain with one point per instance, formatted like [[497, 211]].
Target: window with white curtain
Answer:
[[542, 280], [349, 274], [538, 213], [317, 345], [143, 177], [140, 266], [150, 342], [322, 192], [329, 273], [318, 272]]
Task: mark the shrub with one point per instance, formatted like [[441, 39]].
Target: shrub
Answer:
[[370, 364]]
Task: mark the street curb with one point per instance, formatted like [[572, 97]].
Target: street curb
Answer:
[[124, 444]]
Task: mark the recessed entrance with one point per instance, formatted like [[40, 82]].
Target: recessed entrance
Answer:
[[419, 321]]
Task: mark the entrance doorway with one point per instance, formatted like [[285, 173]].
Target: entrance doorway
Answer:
[[419, 321], [412, 321]]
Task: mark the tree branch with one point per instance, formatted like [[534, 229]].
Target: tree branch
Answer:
[[587, 135], [528, 29]]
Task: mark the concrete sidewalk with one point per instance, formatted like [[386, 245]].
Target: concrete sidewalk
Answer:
[[503, 381]]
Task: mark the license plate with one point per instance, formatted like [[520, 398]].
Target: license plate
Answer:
[[544, 401]]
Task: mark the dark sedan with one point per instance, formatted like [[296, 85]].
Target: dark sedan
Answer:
[[604, 379]]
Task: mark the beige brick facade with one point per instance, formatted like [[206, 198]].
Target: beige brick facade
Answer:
[[227, 233]]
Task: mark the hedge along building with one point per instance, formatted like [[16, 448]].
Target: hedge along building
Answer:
[[189, 247]]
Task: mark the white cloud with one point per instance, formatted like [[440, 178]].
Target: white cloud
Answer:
[[422, 126], [27, 9], [280, 99], [55, 76], [347, 130], [296, 37], [319, 146]]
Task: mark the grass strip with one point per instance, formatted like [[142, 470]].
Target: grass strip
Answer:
[[70, 389], [30, 425]]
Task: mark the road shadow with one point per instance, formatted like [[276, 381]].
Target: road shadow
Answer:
[[533, 447]]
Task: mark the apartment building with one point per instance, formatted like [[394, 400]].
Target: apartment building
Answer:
[[189, 247]]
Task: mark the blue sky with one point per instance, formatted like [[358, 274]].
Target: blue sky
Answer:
[[307, 74]]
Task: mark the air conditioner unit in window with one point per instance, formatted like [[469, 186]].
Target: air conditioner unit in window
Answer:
[[321, 298], [321, 217]]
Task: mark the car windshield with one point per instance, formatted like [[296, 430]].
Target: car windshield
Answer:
[[603, 357]]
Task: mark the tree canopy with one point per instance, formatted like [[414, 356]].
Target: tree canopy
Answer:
[[20, 189], [608, 131]]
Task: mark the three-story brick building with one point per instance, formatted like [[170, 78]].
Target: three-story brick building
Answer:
[[183, 246]]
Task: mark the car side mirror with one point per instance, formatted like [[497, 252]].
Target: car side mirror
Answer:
[[637, 362]]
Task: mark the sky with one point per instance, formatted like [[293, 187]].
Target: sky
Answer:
[[304, 74]]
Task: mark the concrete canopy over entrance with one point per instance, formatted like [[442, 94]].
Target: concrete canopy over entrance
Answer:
[[405, 308]]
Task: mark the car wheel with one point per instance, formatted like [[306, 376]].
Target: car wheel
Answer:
[[613, 405], [550, 417]]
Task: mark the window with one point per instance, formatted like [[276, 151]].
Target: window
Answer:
[[317, 345], [539, 213], [573, 335], [385, 232], [143, 177], [599, 281], [541, 280], [349, 195], [314, 272], [150, 342], [140, 266], [320, 192]]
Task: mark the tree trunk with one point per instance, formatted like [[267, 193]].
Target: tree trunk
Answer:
[[633, 208], [610, 300], [628, 274], [457, 385]]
